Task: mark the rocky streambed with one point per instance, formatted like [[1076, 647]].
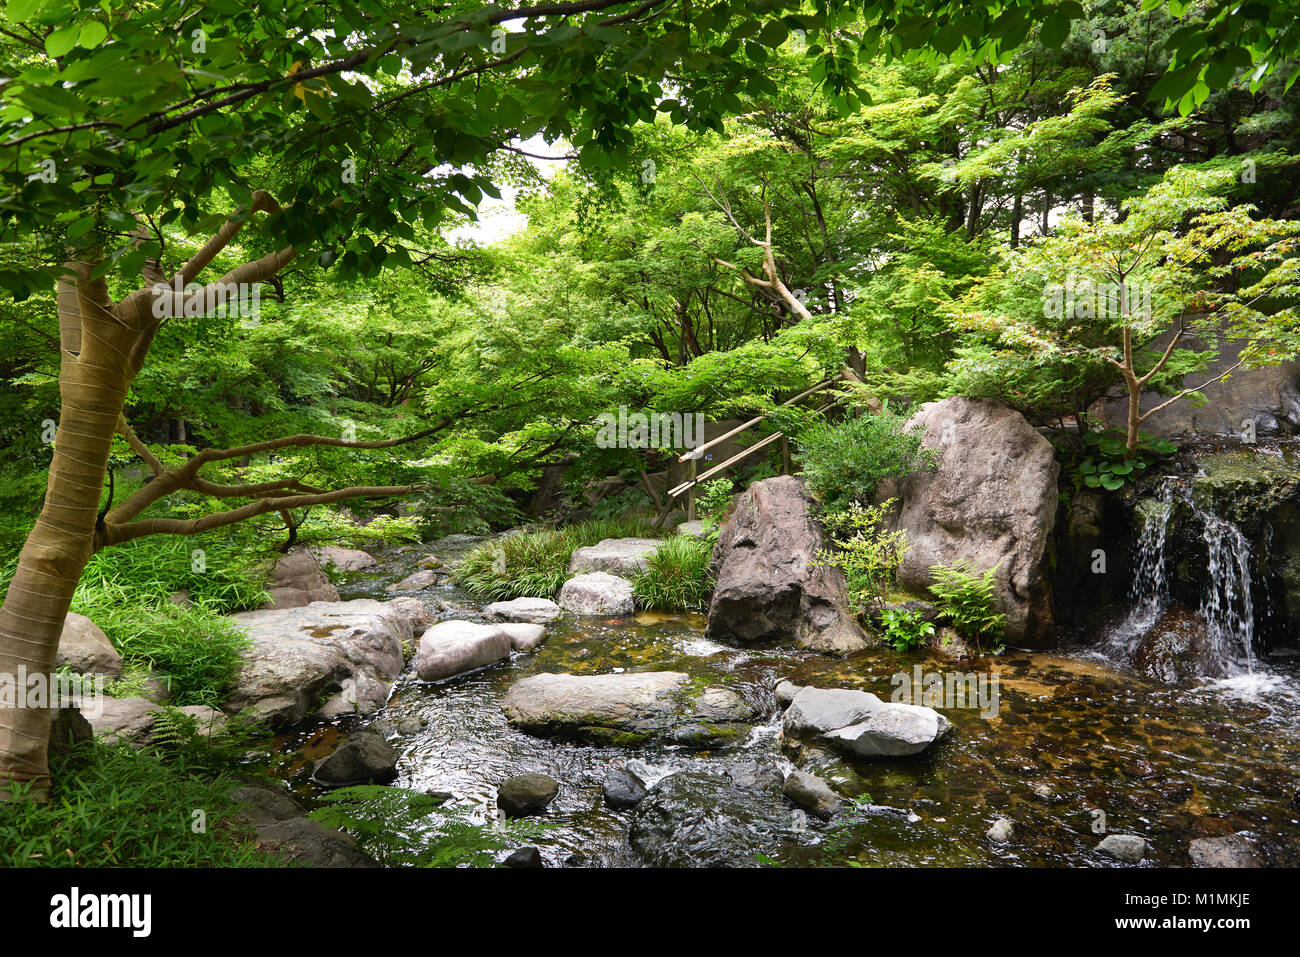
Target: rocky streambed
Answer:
[[1068, 755]]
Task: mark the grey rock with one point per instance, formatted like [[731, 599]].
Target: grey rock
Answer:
[[1231, 850], [991, 500], [85, 648], [523, 636], [302, 656], [537, 611], [365, 757], [693, 529], [526, 794], [344, 559], [454, 647], [623, 789], [812, 794], [1128, 848], [424, 578], [298, 579], [132, 720], [597, 593], [261, 803], [68, 728], [815, 711], [770, 588], [891, 731], [785, 692], [624, 557]]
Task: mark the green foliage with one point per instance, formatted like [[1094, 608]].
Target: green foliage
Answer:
[[1109, 467], [119, 807], [714, 499], [844, 462], [867, 553], [905, 630], [534, 564], [677, 576], [198, 651], [968, 598], [407, 829], [179, 737]]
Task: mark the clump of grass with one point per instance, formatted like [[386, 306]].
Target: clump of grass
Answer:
[[677, 575], [218, 572], [197, 650], [535, 563], [118, 807]]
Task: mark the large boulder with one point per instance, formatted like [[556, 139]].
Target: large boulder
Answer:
[[85, 648], [344, 559], [453, 647], [625, 557], [597, 593], [627, 708], [991, 500], [134, 720], [298, 580], [346, 654], [1268, 398], [770, 588]]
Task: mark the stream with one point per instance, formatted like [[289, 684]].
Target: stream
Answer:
[[1079, 747]]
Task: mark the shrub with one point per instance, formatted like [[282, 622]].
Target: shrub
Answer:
[[967, 597], [118, 807], [905, 630], [534, 564], [868, 555], [677, 575], [1106, 465], [845, 462], [713, 500]]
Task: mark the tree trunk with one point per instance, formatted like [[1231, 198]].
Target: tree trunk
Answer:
[[94, 374]]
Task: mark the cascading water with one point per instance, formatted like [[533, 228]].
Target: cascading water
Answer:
[[1227, 608]]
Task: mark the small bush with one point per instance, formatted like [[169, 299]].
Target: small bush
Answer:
[[714, 500], [868, 555], [118, 807], [905, 630], [677, 575], [534, 564], [845, 462], [968, 597]]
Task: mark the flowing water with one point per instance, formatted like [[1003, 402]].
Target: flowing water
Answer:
[[1075, 742]]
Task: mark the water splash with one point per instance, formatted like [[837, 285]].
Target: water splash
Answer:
[[1228, 608], [1150, 588]]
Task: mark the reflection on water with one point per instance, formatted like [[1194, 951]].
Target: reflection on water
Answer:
[[1072, 737]]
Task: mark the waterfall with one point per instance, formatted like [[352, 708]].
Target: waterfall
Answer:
[[1227, 608]]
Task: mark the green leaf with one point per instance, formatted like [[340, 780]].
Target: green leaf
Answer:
[[92, 34], [1055, 29], [61, 41]]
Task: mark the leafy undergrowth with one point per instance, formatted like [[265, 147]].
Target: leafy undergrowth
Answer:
[[534, 564], [113, 806]]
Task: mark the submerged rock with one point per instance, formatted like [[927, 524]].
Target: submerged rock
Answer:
[[992, 500], [625, 557], [424, 578], [85, 648], [526, 794], [454, 647], [628, 708], [523, 857], [1002, 831], [363, 758], [770, 588], [597, 593], [1232, 850], [344, 653], [537, 611], [701, 819]]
